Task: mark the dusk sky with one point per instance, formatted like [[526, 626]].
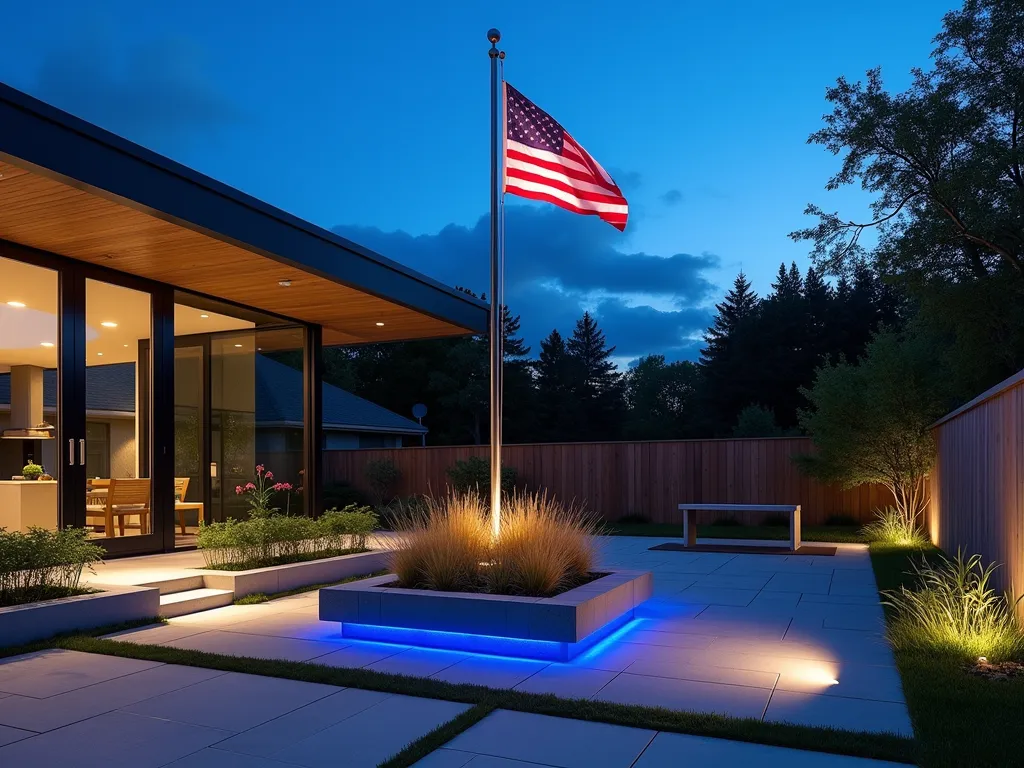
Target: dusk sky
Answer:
[[372, 119]]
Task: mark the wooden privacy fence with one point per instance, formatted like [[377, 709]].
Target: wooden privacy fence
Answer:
[[642, 478], [977, 485]]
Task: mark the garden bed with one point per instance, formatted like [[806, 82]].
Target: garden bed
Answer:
[[280, 578], [20, 624], [550, 628], [304, 557]]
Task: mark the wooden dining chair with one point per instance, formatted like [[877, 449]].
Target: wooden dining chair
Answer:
[[125, 497]]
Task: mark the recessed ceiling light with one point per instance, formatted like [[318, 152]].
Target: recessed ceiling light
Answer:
[[284, 283], [99, 354], [16, 304], [126, 346], [204, 316], [46, 344], [380, 325], [109, 324], [238, 345]]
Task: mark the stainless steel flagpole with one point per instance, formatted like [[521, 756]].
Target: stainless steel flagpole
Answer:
[[494, 36]]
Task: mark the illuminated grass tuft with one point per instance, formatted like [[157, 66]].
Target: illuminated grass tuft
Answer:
[[953, 608]]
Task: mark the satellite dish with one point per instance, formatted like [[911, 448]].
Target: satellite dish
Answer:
[[419, 410]]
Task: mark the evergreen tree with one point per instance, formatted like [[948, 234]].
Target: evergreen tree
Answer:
[[739, 304], [556, 412], [597, 384], [727, 361]]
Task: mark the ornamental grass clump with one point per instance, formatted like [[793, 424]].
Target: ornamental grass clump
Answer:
[[43, 564], [895, 528], [544, 547], [443, 548], [953, 608]]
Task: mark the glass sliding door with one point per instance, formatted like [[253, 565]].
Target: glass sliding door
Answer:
[[190, 440], [117, 493]]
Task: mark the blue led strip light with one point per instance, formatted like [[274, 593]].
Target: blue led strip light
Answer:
[[544, 650]]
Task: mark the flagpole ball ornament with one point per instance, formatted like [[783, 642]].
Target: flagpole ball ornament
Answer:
[[494, 36]]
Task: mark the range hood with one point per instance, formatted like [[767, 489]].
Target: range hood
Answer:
[[27, 405]]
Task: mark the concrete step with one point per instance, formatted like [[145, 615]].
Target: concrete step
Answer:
[[193, 601], [176, 584]]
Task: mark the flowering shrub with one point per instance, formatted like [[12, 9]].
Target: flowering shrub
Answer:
[[261, 492], [275, 539]]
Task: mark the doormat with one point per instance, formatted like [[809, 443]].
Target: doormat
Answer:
[[806, 549]]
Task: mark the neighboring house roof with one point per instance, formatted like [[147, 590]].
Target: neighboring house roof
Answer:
[[111, 388], [279, 400]]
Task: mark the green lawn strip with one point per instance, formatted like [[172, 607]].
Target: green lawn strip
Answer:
[[878, 746], [261, 597], [437, 738], [835, 533], [959, 719]]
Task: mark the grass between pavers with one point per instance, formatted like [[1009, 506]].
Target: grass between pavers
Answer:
[[959, 719], [843, 534], [261, 597], [415, 751], [873, 745]]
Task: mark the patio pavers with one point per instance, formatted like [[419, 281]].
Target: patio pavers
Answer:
[[184, 716], [46, 714], [232, 702], [497, 742], [724, 632], [553, 740], [49, 673]]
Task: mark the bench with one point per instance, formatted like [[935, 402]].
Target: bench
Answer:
[[690, 520]]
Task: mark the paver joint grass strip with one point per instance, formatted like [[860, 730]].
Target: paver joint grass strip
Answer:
[[960, 720], [874, 745], [437, 738]]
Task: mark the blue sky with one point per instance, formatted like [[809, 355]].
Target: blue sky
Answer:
[[372, 119]]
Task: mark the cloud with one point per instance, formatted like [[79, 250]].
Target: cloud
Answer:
[[671, 197], [557, 266], [157, 94], [628, 181]]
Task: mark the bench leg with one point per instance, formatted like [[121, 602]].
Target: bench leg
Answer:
[[794, 530], [689, 528]]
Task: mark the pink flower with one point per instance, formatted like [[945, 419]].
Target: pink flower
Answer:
[[270, 475], [259, 468], [250, 487], [238, 489], [283, 487]]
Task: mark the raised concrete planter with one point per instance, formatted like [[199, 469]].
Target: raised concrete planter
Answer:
[[280, 578], [21, 624], [553, 628]]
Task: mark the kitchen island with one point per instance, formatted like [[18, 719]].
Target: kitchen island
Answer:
[[28, 503]]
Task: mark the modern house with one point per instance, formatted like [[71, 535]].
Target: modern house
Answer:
[[113, 257], [350, 422]]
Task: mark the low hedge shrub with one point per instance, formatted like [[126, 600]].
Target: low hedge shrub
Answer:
[[237, 545], [44, 564]]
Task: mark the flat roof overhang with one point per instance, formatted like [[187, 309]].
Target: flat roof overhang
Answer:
[[76, 190]]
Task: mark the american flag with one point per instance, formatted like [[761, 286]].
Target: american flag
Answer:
[[543, 162]]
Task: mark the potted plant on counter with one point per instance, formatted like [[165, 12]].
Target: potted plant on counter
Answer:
[[31, 471]]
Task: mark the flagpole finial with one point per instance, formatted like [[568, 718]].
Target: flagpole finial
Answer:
[[493, 35]]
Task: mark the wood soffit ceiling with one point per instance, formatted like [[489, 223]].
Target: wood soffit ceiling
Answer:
[[44, 213]]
